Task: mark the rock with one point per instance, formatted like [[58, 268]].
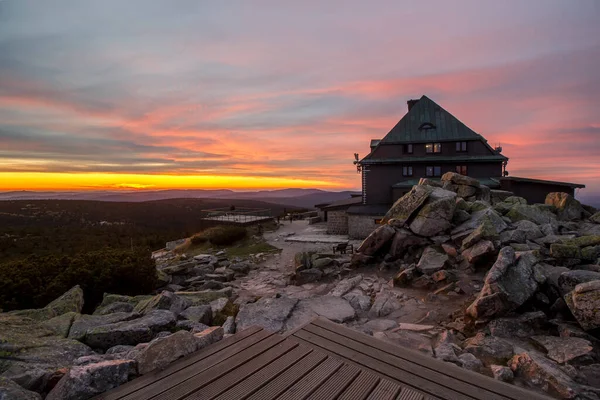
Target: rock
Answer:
[[358, 300], [470, 362], [61, 324], [508, 284], [379, 325], [203, 297], [459, 179], [479, 252], [201, 314], [595, 218], [87, 381], [114, 308], [584, 303], [436, 214], [450, 249], [502, 373], [489, 349], [515, 200], [406, 206], [485, 231], [408, 339], [376, 240], [161, 352], [10, 390], [229, 326], [120, 348], [422, 282], [562, 251], [533, 213], [190, 326], [405, 277], [476, 220], [405, 240], [130, 332], [82, 324], [584, 241], [322, 263], [307, 276], [164, 301], [303, 260], [591, 253], [523, 326], [569, 279], [530, 229], [241, 267], [70, 301], [221, 309], [568, 208], [514, 236], [385, 303], [447, 352], [564, 349], [208, 337], [592, 374], [110, 298], [335, 309], [432, 260], [345, 285], [269, 313], [543, 373]]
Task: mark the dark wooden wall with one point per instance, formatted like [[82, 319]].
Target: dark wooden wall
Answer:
[[474, 148], [534, 192]]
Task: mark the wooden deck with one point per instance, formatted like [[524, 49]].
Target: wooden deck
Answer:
[[320, 360]]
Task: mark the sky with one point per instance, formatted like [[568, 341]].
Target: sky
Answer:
[[150, 94]]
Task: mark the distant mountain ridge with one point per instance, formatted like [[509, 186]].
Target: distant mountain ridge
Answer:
[[305, 198]]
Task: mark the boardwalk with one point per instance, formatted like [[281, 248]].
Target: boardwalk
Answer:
[[320, 360]]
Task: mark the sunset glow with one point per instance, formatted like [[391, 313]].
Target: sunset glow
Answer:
[[153, 95]]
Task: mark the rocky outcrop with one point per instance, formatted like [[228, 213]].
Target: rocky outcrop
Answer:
[[511, 281], [584, 303], [567, 207], [71, 301], [436, 214], [269, 313], [89, 380], [406, 206]]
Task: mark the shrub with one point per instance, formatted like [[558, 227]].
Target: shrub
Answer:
[[198, 238], [37, 280], [225, 235]]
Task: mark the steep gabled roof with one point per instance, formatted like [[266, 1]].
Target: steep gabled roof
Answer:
[[446, 127]]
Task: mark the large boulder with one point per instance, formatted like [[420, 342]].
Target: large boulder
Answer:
[[83, 323], [477, 219], [568, 208], [385, 303], [10, 390], [86, 381], [70, 301], [436, 214], [403, 241], [567, 281], [61, 325], [432, 260], [534, 213], [269, 313], [201, 314], [335, 309], [131, 332], [406, 206], [489, 349], [163, 301], [202, 297], [479, 252], [565, 349], [510, 282], [345, 285], [32, 354], [376, 240], [530, 229], [584, 303], [162, 351]]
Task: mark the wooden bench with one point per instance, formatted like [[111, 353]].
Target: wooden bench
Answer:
[[343, 247]]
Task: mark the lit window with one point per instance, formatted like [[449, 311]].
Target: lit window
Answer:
[[433, 148], [461, 169], [407, 171], [461, 146], [433, 171]]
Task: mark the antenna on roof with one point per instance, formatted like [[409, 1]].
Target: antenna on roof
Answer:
[[498, 148], [357, 163]]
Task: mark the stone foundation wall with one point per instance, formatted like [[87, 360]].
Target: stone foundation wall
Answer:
[[360, 226], [337, 223]]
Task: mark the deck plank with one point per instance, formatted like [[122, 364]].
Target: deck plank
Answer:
[[240, 373], [312, 381], [259, 379], [336, 384], [196, 380], [289, 377], [455, 372], [386, 390], [238, 339], [361, 387], [390, 371], [409, 394]]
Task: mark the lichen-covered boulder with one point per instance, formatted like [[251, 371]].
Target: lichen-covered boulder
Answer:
[[489, 349], [567, 281], [563, 251], [163, 301], [568, 208], [269, 313], [406, 206], [376, 240], [84, 382], [529, 229], [534, 213], [131, 332], [485, 231], [201, 314], [115, 307], [459, 179], [10, 390], [436, 214], [584, 303], [61, 325], [81, 325], [161, 352], [70, 301], [202, 297], [508, 284]]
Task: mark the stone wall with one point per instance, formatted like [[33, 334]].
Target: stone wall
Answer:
[[337, 222], [360, 226]]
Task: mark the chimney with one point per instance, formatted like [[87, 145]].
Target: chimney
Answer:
[[411, 103]]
